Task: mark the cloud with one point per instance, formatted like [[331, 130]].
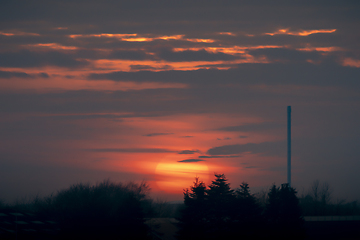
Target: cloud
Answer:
[[191, 160], [44, 75], [149, 67], [200, 55], [220, 156], [132, 150], [189, 151], [156, 134], [304, 73], [129, 14], [284, 54], [264, 148], [252, 127], [130, 55], [251, 167], [87, 116], [300, 32], [28, 59], [8, 74]]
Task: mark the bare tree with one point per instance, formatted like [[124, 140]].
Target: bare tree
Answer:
[[321, 196], [325, 193], [314, 190]]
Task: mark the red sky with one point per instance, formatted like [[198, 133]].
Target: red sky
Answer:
[[167, 92]]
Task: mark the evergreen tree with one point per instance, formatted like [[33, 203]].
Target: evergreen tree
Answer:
[[218, 212], [283, 213], [193, 221], [221, 202], [248, 213]]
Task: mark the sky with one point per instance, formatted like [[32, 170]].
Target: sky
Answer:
[[166, 91]]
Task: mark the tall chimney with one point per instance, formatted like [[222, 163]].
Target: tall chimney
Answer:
[[289, 145]]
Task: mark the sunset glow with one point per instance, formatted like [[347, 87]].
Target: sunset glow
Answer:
[[174, 176], [166, 92]]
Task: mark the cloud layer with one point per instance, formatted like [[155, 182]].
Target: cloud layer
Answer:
[[120, 88]]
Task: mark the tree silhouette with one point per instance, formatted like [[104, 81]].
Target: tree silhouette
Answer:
[[218, 212], [248, 212], [104, 211], [319, 197], [221, 200], [283, 213], [193, 219]]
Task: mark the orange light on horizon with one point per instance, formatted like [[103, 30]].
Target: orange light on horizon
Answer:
[[174, 177]]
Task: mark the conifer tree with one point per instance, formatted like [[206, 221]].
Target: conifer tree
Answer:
[[192, 222], [248, 212], [283, 213], [220, 208]]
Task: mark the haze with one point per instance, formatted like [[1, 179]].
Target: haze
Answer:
[[165, 92]]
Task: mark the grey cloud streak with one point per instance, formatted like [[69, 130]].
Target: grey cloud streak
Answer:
[[253, 127], [132, 150], [156, 134], [29, 59], [189, 151], [265, 149], [330, 74], [190, 160], [200, 55], [8, 74]]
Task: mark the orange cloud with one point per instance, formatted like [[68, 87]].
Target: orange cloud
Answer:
[[350, 62], [172, 37], [55, 46], [227, 33], [17, 33], [134, 37], [107, 35], [300, 33], [199, 40], [126, 65], [60, 81], [320, 49], [140, 39], [228, 50]]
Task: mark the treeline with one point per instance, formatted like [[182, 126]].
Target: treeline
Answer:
[[318, 201], [117, 210], [106, 210], [219, 212]]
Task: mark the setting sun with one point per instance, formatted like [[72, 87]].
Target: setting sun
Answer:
[[173, 177]]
